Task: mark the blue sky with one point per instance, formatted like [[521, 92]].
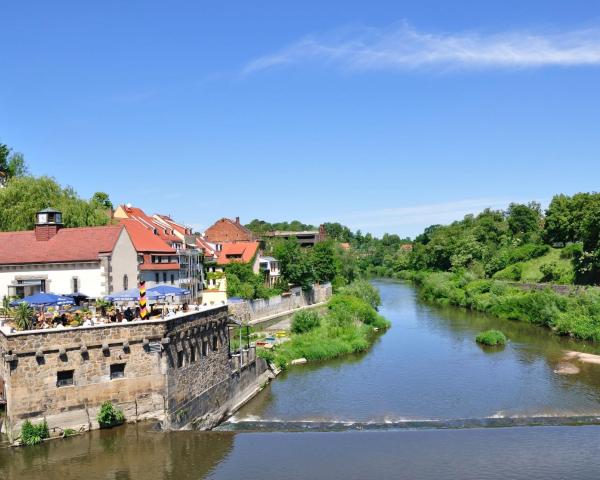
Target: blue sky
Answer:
[[386, 116]]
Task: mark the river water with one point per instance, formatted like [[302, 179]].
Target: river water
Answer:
[[418, 404]]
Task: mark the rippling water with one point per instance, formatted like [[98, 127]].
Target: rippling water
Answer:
[[420, 404]]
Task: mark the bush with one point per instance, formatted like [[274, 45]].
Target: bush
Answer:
[[571, 251], [305, 320], [109, 415], [508, 256], [267, 354], [363, 290], [551, 272], [513, 273], [491, 337], [68, 432], [33, 434]]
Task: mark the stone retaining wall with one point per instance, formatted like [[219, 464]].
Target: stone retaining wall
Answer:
[[167, 365], [251, 310]]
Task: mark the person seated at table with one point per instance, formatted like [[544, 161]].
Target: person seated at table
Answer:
[[87, 322], [128, 314], [137, 314]]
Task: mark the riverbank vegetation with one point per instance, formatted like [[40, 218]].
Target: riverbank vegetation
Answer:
[[347, 326], [491, 338], [574, 312], [523, 263]]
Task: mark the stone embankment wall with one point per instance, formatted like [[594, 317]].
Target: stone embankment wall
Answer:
[[560, 289], [173, 370], [248, 311]]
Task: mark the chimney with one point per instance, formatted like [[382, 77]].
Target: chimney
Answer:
[[47, 224], [322, 232], [237, 220]]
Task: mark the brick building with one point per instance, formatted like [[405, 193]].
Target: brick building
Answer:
[[227, 230]]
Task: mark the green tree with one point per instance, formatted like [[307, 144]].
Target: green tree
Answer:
[[296, 266], [101, 200], [525, 220], [24, 196], [325, 261], [338, 232], [12, 164]]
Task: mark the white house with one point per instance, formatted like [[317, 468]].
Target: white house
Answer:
[[94, 261]]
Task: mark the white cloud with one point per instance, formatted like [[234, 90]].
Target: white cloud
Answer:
[[401, 47], [411, 220]]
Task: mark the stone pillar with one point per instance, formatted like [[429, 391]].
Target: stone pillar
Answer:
[[235, 361]]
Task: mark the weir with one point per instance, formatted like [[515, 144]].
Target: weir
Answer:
[[456, 423]]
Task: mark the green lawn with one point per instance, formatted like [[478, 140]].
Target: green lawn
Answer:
[[531, 268]]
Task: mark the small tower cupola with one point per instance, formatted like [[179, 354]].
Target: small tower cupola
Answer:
[[47, 223]]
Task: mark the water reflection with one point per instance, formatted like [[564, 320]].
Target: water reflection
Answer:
[[127, 452]]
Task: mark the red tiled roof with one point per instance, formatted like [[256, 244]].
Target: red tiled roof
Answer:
[[208, 250], [246, 250], [68, 245], [143, 239], [174, 225], [149, 222]]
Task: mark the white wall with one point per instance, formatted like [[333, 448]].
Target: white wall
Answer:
[[59, 278], [123, 261]]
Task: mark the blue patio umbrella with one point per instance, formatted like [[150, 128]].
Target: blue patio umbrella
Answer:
[[44, 300], [132, 295], [169, 290]]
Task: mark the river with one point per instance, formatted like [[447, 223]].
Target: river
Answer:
[[418, 404]]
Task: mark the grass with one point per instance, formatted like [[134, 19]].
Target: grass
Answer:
[[530, 269], [347, 327], [491, 338]]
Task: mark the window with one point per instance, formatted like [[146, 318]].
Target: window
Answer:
[[64, 378], [117, 370], [164, 277], [215, 343], [125, 282], [157, 277], [172, 279], [180, 359], [75, 285], [192, 354], [204, 348]]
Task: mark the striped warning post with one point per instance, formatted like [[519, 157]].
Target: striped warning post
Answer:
[[143, 309]]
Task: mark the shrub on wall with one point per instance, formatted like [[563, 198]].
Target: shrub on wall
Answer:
[[109, 415], [33, 434]]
